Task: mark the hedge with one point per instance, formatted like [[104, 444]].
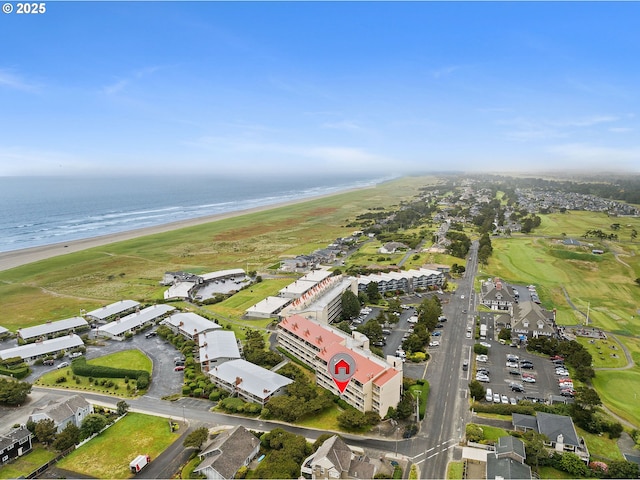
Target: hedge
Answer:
[[79, 366], [18, 373]]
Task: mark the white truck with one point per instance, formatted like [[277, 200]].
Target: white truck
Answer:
[[483, 331], [139, 463]]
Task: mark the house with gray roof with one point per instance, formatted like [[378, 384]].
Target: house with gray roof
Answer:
[[118, 329], [531, 320], [223, 456], [189, 324], [68, 410], [249, 381], [507, 461], [334, 459], [14, 443], [111, 311], [4, 332], [33, 351], [559, 430], [52, 329], [217, 347], [495, 294]]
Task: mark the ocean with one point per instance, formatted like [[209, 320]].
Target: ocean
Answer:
[[38, 211]]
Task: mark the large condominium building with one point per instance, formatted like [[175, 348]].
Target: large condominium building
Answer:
[[376, 384], [406, 281]]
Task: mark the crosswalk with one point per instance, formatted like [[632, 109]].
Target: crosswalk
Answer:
[[438, 449]]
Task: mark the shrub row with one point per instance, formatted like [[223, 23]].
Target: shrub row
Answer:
[[18, 373], [82, 368]]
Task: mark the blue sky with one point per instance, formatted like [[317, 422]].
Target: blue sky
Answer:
[[302, 87]]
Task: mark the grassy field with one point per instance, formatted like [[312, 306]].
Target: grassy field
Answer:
[[493, 433], [604, 356], [26, 464], [611, 383], [455, 470], [107, 456], [325, 420], [59, 287], [134, 359], [599, 283], [601, 446], [551, 473]]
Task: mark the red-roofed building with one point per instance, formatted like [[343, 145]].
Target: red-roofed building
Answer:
[[376, 385]]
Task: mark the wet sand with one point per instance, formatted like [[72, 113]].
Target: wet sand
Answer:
[[17, 258]]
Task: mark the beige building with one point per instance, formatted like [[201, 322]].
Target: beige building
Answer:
[[376, 384]]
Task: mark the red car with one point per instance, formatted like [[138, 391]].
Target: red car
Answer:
[[179, 368]]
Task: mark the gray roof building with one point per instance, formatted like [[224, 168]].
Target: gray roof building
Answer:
[[68, 410], [223, 456], [51, 328], [532, 320], [334, 459], [247, 380], [133, 321], [559, 430], [33, 351], [190, 324], [14, 443], [112, 310], [507, 461], [216, 347]]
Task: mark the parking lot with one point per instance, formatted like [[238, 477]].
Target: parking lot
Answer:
[[513, 379]]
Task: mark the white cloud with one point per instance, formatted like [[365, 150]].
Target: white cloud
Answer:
[[120, 84], [345, 125], [12, 80]]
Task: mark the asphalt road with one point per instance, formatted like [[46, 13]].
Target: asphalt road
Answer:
[[447, 411]]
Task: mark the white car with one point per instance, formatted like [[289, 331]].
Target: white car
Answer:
[[462, 297], [529, 379], [512, 401], [482, 358], [482, 378], [485, 344], [435, 343], [496, 398], [512, 365], [468, 334], [504, 399]]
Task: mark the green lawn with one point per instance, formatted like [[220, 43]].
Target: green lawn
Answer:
[[134, 359], [493, 433], [551, 473], [325, 420], [455, 470], [601, 445], [108, 456], [610, 385], [603, 355], [26, 464]]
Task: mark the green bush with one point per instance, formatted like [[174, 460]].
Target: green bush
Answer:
[[82, 368], [186, 390], [197, 392]]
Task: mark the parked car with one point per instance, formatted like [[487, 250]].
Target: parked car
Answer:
[[517, 388], [483, 378], [526, 366], [483, 371], [512, 365], [178, 368], [529, 379], [512, 358], [435, 343], [489, 396], [504, 399], [512, 401], [75, 354], [439, 325], [63, 365], [151, 334], [48, 362], [468, 334], [437, 333], [496, 398], [514, 372], [485, 344], [482, 358], [465, 365]]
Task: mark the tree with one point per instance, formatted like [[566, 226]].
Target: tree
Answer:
[[352, 419], [587, 398], [196, 438], [12, 392], [92, 423], [372, 329], [350, 305], [474, 432], [623, 469], [572, 464], [67, 438], [534, 447], [372, 292], [45, 431], [344, 326], [476, 390], [123, 407]]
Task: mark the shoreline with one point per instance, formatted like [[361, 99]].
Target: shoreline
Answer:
[[17, 258]]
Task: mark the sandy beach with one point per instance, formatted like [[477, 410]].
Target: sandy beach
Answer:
[[17, 258]]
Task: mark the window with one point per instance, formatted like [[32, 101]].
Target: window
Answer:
[[5, 458]]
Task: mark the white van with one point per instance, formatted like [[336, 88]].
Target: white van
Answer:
[[489, 396]]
